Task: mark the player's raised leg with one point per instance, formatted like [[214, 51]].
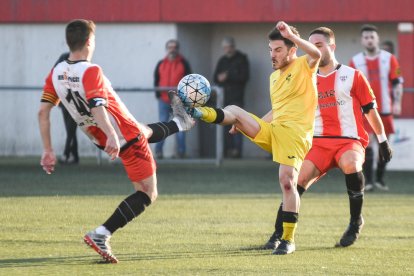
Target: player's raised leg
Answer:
[[181, 121], [230, 115]]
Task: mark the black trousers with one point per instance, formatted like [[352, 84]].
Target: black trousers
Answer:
[[71, 145]]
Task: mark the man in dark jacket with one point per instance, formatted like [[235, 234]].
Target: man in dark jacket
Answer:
[[168, 72], [232, 73]]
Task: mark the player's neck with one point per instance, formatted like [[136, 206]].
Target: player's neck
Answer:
[[372, 54], [329, 68], [284, 68], [78, 55]]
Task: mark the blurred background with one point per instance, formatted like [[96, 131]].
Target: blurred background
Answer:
[[131, 37]]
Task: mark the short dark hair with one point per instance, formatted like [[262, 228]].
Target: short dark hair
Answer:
[[172, 41], [389, 44], [369, 28], [275, 34], [78, 32], [326, 32]]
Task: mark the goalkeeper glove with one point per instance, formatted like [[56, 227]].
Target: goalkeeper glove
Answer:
[[385, 151]]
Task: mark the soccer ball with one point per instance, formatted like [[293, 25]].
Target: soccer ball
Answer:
[[194, 90]]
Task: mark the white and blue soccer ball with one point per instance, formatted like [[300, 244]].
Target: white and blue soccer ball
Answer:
[[194, 90]]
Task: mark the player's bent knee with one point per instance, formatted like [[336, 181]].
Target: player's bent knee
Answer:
[[153, 196], [148, 186], [351, 167], [287, 184]]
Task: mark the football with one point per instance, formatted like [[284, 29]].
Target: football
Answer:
[[194, 90]]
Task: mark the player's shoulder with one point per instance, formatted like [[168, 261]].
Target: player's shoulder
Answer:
[[92, 67], [386, 53], [357, 60], [347, 68], [275, 74], [359, 54]]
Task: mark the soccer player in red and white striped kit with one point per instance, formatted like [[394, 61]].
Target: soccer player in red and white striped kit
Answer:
[[384, 75], [344, 96], [90, 99]]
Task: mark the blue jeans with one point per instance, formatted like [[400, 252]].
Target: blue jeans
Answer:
[[165, 112]]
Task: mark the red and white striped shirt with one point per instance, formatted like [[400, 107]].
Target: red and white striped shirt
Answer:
[[81, 85], [382, 71], [341, 95]]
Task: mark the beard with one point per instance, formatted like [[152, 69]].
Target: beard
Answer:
[[371, 48], [325, 61], [279, 65]]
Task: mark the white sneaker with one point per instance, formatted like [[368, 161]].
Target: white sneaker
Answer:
[[369, 187], [100, 243], [180, 116], [381, 186]]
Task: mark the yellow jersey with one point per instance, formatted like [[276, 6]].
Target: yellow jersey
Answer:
[[293, 96]]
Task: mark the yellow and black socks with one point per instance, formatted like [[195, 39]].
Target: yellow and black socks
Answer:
[[211, 115], [279, 217], [290, 220]]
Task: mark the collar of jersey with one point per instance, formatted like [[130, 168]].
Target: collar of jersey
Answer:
[[75, 61]]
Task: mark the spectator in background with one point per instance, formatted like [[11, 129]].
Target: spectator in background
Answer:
[[168, 72], [232, 73], [383, 73], [388, 46], [70, 153]]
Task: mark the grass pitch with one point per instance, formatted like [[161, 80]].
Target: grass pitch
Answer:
[[206, 221]]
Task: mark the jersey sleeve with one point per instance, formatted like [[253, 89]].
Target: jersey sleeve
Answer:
[[49, 93], [96, 91], [305, 64], [362, 89], [395, 70]]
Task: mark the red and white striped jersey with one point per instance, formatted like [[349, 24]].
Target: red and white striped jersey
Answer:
[[81, 85], [382, 71], [341, 95]]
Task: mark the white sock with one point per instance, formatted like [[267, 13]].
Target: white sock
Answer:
[[177, 121], [101, 230]]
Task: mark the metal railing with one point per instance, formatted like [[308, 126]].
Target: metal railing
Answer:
[[217, 160]]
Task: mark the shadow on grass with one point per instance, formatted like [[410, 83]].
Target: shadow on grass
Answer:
[[250, 251], [24, 177], [96, 259], [48, 261]]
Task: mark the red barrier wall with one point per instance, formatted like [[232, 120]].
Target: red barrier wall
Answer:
[[42, 11]]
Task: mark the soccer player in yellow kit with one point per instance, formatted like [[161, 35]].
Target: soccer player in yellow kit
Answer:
[[286, 131]]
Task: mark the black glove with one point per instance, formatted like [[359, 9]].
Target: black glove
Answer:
[[385, 151]]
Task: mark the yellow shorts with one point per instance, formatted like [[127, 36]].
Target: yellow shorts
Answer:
[[287, 145]]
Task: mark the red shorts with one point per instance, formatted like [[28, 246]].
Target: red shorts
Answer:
[[387, 121], [326, 152], [138, 160]]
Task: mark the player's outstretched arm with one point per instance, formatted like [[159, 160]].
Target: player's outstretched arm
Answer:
[[313, 54], [48, 160], [112, 147]]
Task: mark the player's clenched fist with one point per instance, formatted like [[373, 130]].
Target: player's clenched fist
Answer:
[[284, 29], [48, 161], [112, 147]]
